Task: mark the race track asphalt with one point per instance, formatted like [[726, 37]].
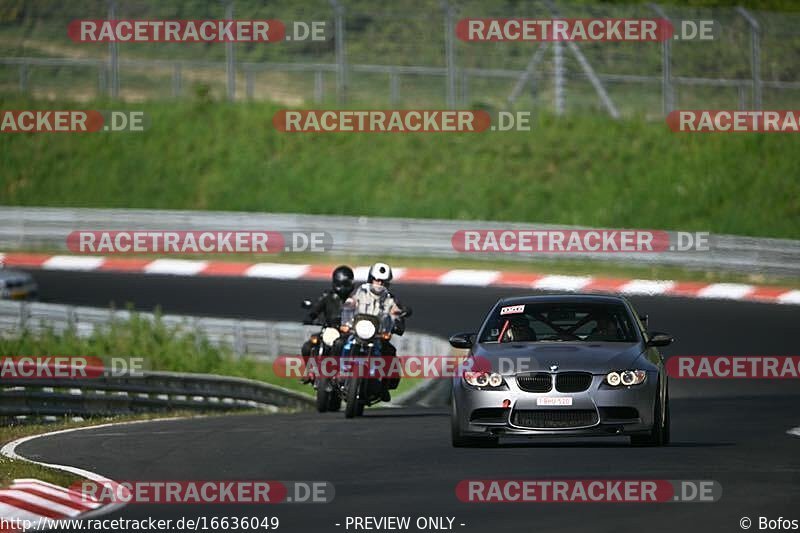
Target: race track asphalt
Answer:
[[399, 462]]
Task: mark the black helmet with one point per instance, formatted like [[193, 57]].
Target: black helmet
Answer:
[[342, 280]]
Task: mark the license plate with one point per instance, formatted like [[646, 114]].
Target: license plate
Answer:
[[554, 401]]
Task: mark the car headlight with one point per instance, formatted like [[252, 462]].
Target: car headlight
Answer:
[[626, 378], [365, 329], [491, 380]]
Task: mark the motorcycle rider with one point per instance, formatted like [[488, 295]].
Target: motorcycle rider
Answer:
[[327, 310], [374, 298]]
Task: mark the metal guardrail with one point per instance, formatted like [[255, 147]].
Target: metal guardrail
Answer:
[[256, 339], [161, 391], [34, 227], [149, 392]]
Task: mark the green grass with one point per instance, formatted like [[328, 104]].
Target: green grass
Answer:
[[575, 170], [161, 346]]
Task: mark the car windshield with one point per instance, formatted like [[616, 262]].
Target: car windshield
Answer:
[[560, 322]]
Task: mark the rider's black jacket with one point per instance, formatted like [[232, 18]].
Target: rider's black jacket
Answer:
[[327, 310]]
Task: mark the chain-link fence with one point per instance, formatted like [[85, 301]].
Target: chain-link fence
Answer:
[[406, 54]]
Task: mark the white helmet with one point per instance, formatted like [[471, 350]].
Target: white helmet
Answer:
[[381, 272]]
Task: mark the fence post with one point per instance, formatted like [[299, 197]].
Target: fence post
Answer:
[[667, 95], [393, 87], [341, 60], [319, 87], [558, 73], [450, 58], [113, 54], [249, 77], [23, 78], [176, 80], [464, 87], [102, 83], [230, 60], [755, 54]]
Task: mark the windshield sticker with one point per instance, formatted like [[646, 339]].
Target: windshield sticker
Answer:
[[512, 310]]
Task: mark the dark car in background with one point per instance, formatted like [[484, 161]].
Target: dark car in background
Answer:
[[16, 285]]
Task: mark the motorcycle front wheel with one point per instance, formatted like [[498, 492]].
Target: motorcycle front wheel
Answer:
[[353, 408], [323, 395]]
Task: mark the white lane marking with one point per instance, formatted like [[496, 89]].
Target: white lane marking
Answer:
[[73, 262], [178, 267], [361, 273], [646, 286], [562, 283], [791, 297], [733, 291], [10, 450], [480, 278], [794, 432], [398, 272], [276, 271]]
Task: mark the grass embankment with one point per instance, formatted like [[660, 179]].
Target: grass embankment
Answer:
[[584, 170], [163, 347]]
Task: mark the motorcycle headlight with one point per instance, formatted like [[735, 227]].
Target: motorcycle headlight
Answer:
[[484, 379], [365, 329], [626, 378], [329, 335]]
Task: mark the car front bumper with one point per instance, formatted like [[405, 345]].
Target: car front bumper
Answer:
[[601, 410]]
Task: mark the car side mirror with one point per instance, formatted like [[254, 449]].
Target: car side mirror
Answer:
[[306, 304], [462, 340], [660, 339], [643, 320]]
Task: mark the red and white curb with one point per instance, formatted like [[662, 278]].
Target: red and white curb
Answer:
[[38, 503], [431, 276]]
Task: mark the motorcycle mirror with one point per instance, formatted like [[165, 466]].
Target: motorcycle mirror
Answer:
[[306, 304]]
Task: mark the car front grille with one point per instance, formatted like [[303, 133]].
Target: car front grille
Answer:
[[554, 418], [573, 381], [489, 415], [619, 413], [539, 382]]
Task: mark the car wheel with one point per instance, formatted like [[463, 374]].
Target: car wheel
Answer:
[[659, 435], [459, 440]]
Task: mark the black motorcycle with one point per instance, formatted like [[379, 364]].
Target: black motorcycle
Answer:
[[358, 384], [327, 395]]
